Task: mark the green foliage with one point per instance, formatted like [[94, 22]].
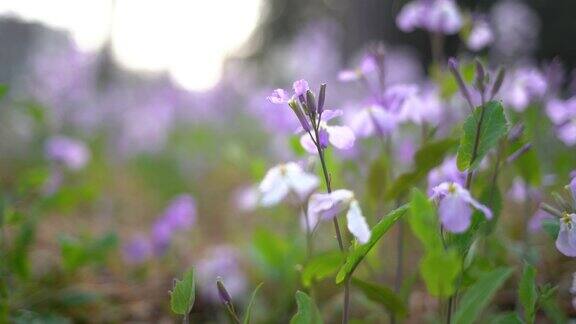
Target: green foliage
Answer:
[[482, 131], [528, 293], [307, 313], [183, 294], [440, 271], [79, 252], [426, 159], [378, 178], [382, 295], [248, 312], [506, 318], [551, 226], [478, 296], [321, 266], [359, 252], [424, 222], [3, 90]]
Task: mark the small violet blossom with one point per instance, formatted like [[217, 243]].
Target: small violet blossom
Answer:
[[480, 36], [178, 216], [445, 172], [138, 250], [522, 87], [70, 152], [562, 113], [367, 66], [520, 191], [283, 179], [566, 241], [435, 16], [454, 206], [341, 137], [325, 206]]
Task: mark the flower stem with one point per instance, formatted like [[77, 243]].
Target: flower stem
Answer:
[[345, 311]]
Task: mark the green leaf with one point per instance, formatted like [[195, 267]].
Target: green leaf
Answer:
[[440, 269], [321, 266], [527, 164], [528, 293], [424, 222], [506, 318], [3, 90], [426, 158], [183, 295], [358, 253], [307, 313], [478, 296], [248, 313], [382, 295], [475, 144], [551, 226]]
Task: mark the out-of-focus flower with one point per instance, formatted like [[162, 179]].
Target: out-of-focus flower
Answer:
[[454, 206], [138, 250], [435, 16], [373, 119], [246, 198], [300, 87], [220, 262], [480, 36], [520, 191], [422, 107], [283, 179], [178, 216], [405, 151], [325, 206], [367, 66], [445, 172], [342, 137], [70, 152], [279, 96], [516, 26], [535, 223], [522, 87], [563, 115], [566, 241]]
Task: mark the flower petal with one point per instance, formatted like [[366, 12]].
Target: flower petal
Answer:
[[455, 214], [273, 187], [278, 96], [308, 144], [341, 137], [565, 241], [357, 223], [301, 182]]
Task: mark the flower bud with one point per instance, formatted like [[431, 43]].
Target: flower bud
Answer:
[[299, 114], [321, 97], [498, 82], [453, 66], [310, 103], [223, 293], [479, 82]]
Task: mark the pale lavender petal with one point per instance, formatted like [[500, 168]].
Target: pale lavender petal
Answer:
[[348, 75], [328, 114], [138, 250], [535, 223], [557, 111], [357, 224], [411, 16], [279, 96], [70, 152], [465, 195], [326, 206], [565, 243], [443, 16], [273, 187], [362, 124], [308, 144], [455, 214], [323, 137], [301, 182], [567, 133], [341, 137], [480, 36], [300, 87], [181, 212]]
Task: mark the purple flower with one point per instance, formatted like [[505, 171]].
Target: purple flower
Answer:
[[455, 206], [342, 137], [220, 262], [300, 87], [572, 188], [446, 172], [283, 179], [70, 152], [522, 87], [181, 212], [566, 241], [422, 106], [520, 191], [161, 236], [325, 206], [138, 250], [480, 36], [535, 223], [367, 65], [436, 16], [279, 96], [372, 120], [563, 115]]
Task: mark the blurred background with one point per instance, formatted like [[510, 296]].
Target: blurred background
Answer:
[[120, 117]]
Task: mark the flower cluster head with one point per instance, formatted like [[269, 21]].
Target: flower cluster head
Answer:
[[71, 153], [435, 16], [180, 215], [562, 113], [480, 36], [455, 206], [313, 118], [283, 179], [326, 206]]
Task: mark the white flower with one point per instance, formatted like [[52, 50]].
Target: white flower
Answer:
[[284, 178]]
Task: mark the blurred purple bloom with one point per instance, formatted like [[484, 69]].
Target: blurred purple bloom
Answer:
[[342, 137], [405, 151], [300, 87], [480, 36], [220, 262], [325, 206], [283, 179], [535, 223], [367, 65], [181, 212], [572, 188], [520, 191], [523, 86], [446, 172], [70, 152], [566, 241], [435, 16], [516, 26], [138, 250], [372, 120], [423, 106], [563, 115], [246, 198], [279, 96], [455, 206], [161, 236]]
